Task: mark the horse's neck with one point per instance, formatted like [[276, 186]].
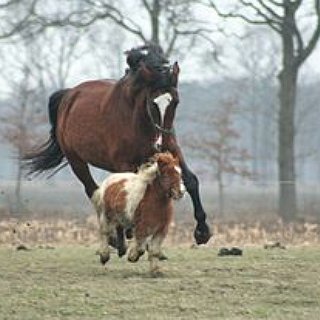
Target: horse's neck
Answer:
[[119, 99], [126, 100]]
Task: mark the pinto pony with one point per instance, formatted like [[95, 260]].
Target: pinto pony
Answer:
[[142, 201], [117, 126]]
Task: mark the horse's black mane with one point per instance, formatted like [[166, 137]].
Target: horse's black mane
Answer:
[[151, 55]]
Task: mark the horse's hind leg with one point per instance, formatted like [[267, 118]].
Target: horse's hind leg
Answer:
[[81, 170]]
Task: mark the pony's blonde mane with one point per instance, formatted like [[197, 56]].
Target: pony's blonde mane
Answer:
[[148, 171]]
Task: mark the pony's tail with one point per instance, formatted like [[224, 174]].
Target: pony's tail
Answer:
[[48, 156]]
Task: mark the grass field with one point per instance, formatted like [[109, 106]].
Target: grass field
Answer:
[[69, 283]]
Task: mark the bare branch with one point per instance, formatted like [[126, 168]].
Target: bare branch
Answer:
[[147, 6], [270, 10], [265, 20], [304, 54], [23, 23]]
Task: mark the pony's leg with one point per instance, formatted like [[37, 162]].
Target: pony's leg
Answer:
[[121, 245], [81, 170], [106, 230], [202, 232], [137, 249], [154, 251]]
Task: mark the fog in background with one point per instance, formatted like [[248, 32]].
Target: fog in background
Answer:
[[229, 68]]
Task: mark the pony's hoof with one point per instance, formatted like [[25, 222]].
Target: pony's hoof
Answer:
[[156, 272], [122, 251], [129, 233], [134, 256], [104, 258], [113, 242], [162, 257], [202, 233]]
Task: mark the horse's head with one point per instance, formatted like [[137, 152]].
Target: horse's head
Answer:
[[170, 178], [157, 82]]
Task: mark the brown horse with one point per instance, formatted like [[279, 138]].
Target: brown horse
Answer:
[[143, 201], [118, 125]]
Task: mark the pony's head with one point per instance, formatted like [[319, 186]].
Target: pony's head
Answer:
[[155, 82], [169, 174]]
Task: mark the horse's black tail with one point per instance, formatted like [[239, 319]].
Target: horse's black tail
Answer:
[[48, 156]]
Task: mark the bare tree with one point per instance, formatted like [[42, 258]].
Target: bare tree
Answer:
[[160, 22], [39, 66], [257, 82], [221, 147], [286, 19], [19, 124]]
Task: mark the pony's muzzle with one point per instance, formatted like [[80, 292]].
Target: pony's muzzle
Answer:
[[178, 194]]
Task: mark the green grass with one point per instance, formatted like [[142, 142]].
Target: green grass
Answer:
[[69, 283]]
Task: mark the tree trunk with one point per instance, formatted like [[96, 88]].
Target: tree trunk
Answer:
[[286, 155], [18, 201], [220, 193], [155, 22]]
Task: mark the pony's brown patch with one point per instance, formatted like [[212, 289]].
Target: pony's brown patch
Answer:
[[114, 199]]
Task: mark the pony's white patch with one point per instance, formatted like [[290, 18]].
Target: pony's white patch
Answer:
[[97, 197], [178, 169], [182, 188], [162, 101], [136, 187]]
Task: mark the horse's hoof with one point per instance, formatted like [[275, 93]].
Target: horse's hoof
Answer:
[[104, 258], [202, 233]]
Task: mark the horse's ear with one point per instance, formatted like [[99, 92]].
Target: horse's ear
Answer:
[[175, 74], [145, 72]]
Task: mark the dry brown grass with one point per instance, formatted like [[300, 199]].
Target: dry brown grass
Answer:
[[37, 231]]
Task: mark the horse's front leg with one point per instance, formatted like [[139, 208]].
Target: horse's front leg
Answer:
[[202, 232]]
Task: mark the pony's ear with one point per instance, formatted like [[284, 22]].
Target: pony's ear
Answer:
[[175, 74], [145, 73], [161, 162]]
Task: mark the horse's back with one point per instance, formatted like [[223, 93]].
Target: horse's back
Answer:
[[82, 124], [92, 93]]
